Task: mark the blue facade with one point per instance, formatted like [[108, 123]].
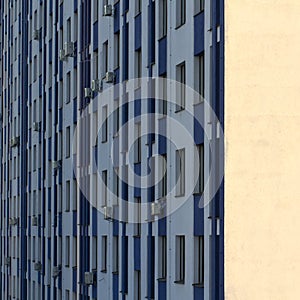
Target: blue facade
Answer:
[[59, 242]]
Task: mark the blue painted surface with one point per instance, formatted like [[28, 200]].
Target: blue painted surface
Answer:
[[116, 17], [96, 34], [138, 32], [162, 56], [199, 33], [137, 253], [162, 290]]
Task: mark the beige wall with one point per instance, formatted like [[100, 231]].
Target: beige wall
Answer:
[[262, 165]]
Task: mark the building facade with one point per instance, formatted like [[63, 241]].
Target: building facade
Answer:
[[67, 234]]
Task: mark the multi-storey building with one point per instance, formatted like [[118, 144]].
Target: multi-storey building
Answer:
[[63, 236]]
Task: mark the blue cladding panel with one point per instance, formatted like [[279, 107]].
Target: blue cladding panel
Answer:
[[95, 37], [115, 286], [124, 264], [74, 280], [198, 293], [137, 253], [162, 56], [198, 129], [162, 290], [117, 17], [74, 223], [162, 227], [198, 217], [199, 34], [61, 15], [138, 32], [94, 221]]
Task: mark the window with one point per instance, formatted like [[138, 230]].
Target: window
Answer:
[[200, 175], [162, 167], [116, 117], [104, 254], [180, 259], [137, 143], [163, 95], [137, 285], [94, 252], [138, 66], [68, 141], [163, 18], [180, 87], [180, 172], [74, 251], [115, 254], [105, 58], [104, 124], [138, 215], [138, 6], [199, 260], [117, 50], [68, 88], [34, 68], [180, 12], [162, 257], [74, 195], [75, 83], [68, 195], [116, 186], [69, 30], [199, 6], [67, 252], [104, 188], [96, 10], [199, 75]]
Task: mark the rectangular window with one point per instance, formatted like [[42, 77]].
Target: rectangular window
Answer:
[[199, 6], [104, 124], [199, 75], [104, 188], [74, 195], [115, 254], [75, 83], [137, 143], [163, 18], [162, 168], [96, 10], [180, 87], [180, 259], [94, 252], [34, 68], [68, 195], [180, 172], [199, 175], [116, 117], [74, 251], [138, 216], [163, 94], [138, 67], [199, 260], [68, 88], [68, 141], [137, 285], [69, 30], [67, 252], [105, 58], [117, 50], [138, 6], [180, 12], [104, 254], [162, 257], [116, 186]]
